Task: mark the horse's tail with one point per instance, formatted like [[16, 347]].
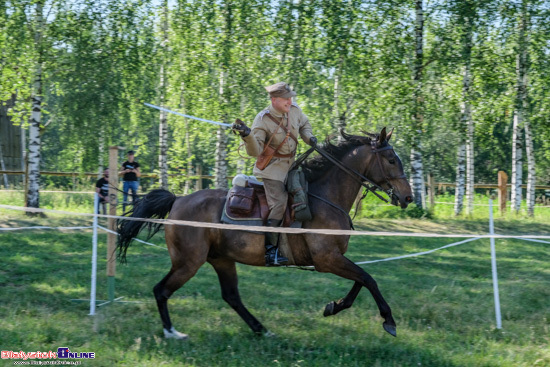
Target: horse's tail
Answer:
[[156, 204]]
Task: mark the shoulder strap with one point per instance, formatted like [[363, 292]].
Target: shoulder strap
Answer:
[[286, 128]]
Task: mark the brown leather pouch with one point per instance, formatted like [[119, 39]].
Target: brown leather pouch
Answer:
[[241, 199], [263, 159]]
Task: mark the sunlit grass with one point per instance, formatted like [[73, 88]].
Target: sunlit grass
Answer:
[[442, 302]]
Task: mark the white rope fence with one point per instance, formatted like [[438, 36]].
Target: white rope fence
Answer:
[[334, 232], [135, 239], [42, 227], [470, 238]]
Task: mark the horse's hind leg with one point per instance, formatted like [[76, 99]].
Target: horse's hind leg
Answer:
[[164, 289], [334, 307], [339, 265], [227, 274]]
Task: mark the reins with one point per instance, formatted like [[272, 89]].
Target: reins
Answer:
[[358, 177], [334, 206]]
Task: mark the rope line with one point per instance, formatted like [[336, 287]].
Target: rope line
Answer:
[[334, 232], [397, 257], [41, 227], [420, 253], [135, 239]]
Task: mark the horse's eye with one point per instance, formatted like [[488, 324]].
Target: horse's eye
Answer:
[[392, 161]]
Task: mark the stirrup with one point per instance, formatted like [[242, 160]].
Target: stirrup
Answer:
[[273, 259]]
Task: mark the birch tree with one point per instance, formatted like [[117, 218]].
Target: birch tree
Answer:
[[163, 124], [520, 114], [465, 175], [522, 105], [417, 171], [225, 59], [33, 193]]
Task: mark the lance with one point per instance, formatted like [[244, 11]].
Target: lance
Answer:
[[188, 116]]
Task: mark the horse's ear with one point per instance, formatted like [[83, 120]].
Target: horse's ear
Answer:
[[382, 136], [388, 137]]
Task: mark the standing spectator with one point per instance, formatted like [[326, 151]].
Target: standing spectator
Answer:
[[102, 189], [130, 170]]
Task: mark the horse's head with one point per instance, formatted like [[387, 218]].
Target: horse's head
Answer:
[[386, 170]]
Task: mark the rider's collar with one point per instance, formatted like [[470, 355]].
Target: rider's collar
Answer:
[[274, 112]]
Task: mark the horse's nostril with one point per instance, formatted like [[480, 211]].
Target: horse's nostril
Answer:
[[409, 199]]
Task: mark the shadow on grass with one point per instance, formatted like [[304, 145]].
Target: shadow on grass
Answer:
[[442, 304]]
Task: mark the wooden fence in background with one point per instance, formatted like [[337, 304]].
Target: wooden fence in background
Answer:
[[432, 187]]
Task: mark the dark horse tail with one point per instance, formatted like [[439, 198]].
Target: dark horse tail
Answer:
[[157, 205]]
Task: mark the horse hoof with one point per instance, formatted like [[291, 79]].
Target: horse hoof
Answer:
[[390, 329], [174, 334], [329, 309]]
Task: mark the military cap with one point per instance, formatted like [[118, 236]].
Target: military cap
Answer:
[[280, 89]]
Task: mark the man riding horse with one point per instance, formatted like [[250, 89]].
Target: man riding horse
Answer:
[[272, 139]]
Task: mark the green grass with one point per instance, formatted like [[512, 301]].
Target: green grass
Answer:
[[373, 207], [80, 203], [442, 303]]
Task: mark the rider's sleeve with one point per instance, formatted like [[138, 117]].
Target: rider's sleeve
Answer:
[[254, 142]]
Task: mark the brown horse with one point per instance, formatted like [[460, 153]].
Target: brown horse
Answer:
[[191, 247]]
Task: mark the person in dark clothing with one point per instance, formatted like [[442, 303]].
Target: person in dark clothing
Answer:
[[130, 170], [102, 189]]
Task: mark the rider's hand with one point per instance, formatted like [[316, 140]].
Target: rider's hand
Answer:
[[313, 141], [240, 128]]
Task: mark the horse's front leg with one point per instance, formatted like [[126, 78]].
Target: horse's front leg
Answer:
[[337, 264], [334, 307]]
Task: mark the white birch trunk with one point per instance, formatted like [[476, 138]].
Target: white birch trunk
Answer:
[[517, 163], [531, 177], [466, 113], [417, 171], [163, 123], [460, 178], [189, 159], [523, 68], [163, 148], [336, 109], [520, 114], [33, 194], [221, 159], [417, 179], [3, 168], [220, 169], [470, 193]]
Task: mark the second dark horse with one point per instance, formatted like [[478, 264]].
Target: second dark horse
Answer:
[[191, 247]]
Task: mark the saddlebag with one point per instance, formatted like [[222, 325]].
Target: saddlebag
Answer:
[[241, 199]]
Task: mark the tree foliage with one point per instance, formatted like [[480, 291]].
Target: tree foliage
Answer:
[[350, 61]]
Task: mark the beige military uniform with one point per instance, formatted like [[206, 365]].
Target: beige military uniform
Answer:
[[262, 130], [276, 171]]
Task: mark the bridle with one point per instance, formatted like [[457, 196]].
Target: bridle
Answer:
[[368, 184], [376, 152]]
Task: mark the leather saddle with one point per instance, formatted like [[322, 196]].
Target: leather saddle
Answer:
[[247, 205]]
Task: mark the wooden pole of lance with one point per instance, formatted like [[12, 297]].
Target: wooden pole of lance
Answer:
[[111, 237]]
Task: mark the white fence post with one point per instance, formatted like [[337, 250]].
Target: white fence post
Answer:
[[494, 265], [94, 256]]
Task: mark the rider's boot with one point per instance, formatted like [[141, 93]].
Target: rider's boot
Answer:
[[272, 255]]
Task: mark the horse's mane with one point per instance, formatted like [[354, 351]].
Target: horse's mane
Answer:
[[317, 166]]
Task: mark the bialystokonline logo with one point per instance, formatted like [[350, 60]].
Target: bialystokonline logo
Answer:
[[62, 353]]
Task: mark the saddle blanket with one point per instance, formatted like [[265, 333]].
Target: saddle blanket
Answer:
[[247, 205]]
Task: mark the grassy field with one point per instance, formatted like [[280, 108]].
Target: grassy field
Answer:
[[442, 303]]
